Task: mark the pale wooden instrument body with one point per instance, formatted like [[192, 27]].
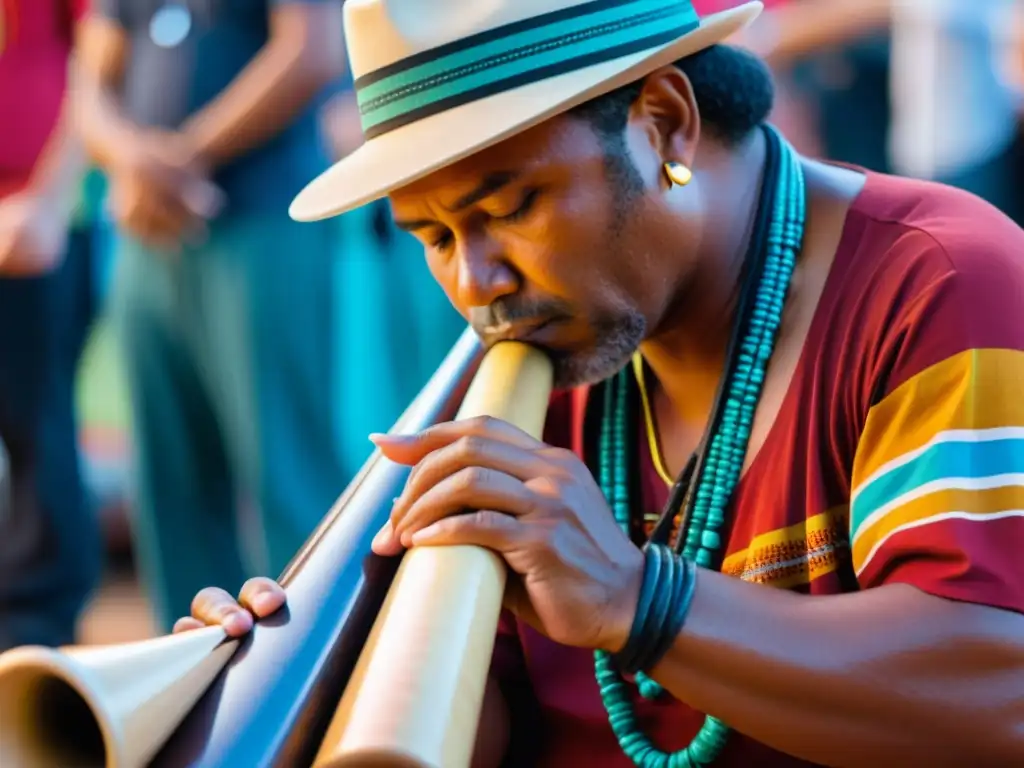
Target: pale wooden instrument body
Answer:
[[415, 696]]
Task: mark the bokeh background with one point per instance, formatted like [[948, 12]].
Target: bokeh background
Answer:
[[926, 88]]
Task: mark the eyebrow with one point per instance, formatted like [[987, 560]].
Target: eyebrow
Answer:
[[490, 184]]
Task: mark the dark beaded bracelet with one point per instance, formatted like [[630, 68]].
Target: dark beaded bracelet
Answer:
[[665, 598]]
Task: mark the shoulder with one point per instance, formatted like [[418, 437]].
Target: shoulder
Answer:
[[929, 272], [924, 231]]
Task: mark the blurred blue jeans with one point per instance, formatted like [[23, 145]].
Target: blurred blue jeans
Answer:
[[51, 550]]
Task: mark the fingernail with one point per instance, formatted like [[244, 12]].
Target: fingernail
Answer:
[[236, 622], [262, 603], [378, 438], [383, 537]]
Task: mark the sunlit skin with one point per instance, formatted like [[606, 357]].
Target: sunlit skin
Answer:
[[548, 240], [547, 234], [660, 271], [536, 223]]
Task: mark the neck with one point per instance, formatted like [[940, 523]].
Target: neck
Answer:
[[687, 351]]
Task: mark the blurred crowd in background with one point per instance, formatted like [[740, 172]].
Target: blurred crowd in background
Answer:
[[188, 377]]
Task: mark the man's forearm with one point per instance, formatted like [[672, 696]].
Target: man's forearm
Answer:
[[105, 131], [301, 58], [889, 676]]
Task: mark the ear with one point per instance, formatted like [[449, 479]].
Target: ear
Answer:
[[666, 112]]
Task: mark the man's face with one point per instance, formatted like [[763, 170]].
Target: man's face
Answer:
[[539, 239]]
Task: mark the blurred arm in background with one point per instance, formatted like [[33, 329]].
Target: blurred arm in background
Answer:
[[304, 54], [798, 28], [158, 192]]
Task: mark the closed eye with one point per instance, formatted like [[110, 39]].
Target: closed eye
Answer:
[[522, 210], [442, 242]]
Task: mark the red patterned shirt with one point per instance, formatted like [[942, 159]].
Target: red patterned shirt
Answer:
[[897, 455]]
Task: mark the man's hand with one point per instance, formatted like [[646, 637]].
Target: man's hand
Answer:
[[33, 235], [259, 597], [579, 576], [159, 193]]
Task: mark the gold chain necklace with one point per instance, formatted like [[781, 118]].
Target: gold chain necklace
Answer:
[[652, 429]]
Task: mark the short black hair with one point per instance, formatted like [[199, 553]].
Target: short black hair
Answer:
[[733, 90]]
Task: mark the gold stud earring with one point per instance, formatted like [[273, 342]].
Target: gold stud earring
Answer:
[[678, 174]]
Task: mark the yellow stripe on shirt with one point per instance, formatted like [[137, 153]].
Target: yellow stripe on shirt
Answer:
[[966, 391], [795, 555], [949, 442], [932, 507]]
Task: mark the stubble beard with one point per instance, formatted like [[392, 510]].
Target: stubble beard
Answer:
[[617, 335], [617, 339]]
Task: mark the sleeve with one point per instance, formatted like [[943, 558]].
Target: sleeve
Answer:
[[937, 496]]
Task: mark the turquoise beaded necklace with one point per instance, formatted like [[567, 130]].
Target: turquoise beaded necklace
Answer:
[[769, 266]]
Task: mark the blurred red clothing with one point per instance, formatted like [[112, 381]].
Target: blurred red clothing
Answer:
[[35, 43]]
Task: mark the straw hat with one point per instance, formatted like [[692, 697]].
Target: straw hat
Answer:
[[437, 80]]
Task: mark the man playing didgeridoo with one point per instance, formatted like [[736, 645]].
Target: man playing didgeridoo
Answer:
[[777, 372]]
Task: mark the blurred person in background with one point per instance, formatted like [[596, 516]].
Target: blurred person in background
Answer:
[[955, 112], [204, 115], [914, 87], [50, 542], [399, 322], [831, 61], [791, 112]]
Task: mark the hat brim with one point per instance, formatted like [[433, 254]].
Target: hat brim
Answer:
[[393, 160]]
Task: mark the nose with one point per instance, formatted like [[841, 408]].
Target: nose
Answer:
[[484, 274]]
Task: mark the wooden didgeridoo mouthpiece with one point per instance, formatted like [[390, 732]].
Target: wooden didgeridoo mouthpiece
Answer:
[[415, 695]]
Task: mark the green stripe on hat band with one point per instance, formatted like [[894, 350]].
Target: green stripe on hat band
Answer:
[[515, 55], [588, 20]]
